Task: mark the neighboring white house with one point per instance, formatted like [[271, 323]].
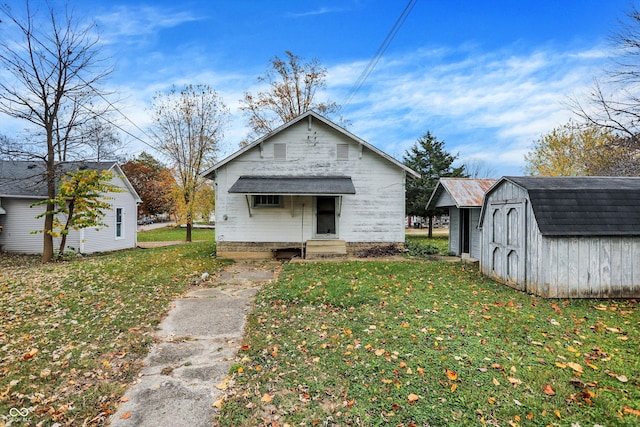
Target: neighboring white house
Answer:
[[309, 186], [22, 184], [563, 237], [463, 197]]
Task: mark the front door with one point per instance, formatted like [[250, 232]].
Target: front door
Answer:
[[325, 216]]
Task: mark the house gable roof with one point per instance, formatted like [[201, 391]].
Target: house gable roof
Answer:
[[27, 178], [465, 192], [307, 115], [582, 206]]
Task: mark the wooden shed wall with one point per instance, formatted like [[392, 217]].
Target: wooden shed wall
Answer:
[[560, 266], [455, 244], [498, 241], [588, 267], [454, 230], [476, 238]]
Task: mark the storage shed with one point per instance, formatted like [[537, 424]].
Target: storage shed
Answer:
[[563, 237], [463, 197]]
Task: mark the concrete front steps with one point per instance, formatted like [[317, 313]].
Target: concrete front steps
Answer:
[[325, 249]]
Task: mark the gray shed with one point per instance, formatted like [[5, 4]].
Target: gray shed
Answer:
[[463, 197], [563, 237]]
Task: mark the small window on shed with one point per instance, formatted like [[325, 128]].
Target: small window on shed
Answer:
[[343, 151], [279, 151], [267, 201]]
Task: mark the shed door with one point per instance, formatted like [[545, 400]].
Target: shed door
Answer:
[[465, 230], [508, 243]]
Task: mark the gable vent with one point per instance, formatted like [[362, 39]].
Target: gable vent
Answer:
[[279, 151], [343, 151]]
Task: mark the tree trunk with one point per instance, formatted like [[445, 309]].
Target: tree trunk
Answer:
[[65, 232], [47, 247], [430, 226], [188, 239]]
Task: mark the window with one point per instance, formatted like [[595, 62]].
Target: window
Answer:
[[343, 151], [279, 151], [267, 201], [119, 223]]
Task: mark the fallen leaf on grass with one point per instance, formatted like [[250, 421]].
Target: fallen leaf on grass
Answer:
[[630, 410], [218, 403], [548, 390], [30, 355], [514, 381], [266, 398], [452, 375], [224, 384], [575, 366], [413, 398]]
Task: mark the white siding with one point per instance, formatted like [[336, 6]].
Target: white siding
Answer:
[[374, 214], [18, 223], [104, 239], [20, 220]]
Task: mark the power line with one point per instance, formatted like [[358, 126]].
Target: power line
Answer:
[[381, 50], [99, 93]]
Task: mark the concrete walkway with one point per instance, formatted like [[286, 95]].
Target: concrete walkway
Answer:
[[197, 344]]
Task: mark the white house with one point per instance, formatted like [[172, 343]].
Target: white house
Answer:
[[563, 237], [22, 184], [463, 197], [309, 186]]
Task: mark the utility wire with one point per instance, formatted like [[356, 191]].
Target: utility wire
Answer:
[[378, 55], [99, 93]]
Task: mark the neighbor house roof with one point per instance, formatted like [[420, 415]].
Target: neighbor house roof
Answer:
[[582, 206], [463, 192], [28, 178], [298, 185], [308, 116]]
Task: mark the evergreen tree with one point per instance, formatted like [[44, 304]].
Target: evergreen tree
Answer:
[[429, 158]]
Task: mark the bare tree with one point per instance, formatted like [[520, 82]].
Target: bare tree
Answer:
[[52, 69], [293, 86], [614, 102], [99, 140], [188, 126]]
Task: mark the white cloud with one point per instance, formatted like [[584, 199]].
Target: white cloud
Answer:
[[510, 97], [127, 22]]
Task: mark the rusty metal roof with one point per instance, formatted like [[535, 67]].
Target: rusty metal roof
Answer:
[[464, 192]]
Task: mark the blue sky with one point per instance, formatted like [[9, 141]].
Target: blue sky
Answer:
[[487, 77]]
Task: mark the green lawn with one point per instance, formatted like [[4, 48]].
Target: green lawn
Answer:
[[421, 244], [174, 234], [338, 343], [73, 334], [430, 344]]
